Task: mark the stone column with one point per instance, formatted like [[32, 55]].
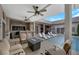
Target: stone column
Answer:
[[34, 28], [7, 26], [44, 28], [55, 30], [0, 29], [39, 29], [68, 22]]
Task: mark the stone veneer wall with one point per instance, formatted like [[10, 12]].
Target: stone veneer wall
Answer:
[[1, 12], [1, 18], [4, 44]]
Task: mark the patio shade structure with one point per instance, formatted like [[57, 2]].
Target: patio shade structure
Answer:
[[68, 24]]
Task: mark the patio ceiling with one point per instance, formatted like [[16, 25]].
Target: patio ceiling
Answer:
[[19, 11]]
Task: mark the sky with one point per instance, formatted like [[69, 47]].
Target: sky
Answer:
[[61, 16]]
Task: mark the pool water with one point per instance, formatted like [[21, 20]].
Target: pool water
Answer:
[[75, 43], [59, 41]]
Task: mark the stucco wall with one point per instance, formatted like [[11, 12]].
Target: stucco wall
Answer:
[[62, 26]]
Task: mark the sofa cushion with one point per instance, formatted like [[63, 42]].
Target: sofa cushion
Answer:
[[14, 41], [15, 47], [23, 36], [18, 52]]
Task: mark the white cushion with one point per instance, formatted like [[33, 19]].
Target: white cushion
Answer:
[[25, 45], [29, 35], [44, 36], [23, 36], [48, 36], [13, 40], [49, 33], [14, 47], [18, 52], [40, 35]]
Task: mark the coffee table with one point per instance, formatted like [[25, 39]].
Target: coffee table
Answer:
[[34, 44]]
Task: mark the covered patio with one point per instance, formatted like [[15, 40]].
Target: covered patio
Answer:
[[39, 24]]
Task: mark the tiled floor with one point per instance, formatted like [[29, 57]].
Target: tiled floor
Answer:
[[45, 45]]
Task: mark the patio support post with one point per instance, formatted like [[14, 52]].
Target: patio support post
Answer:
[[34, 28], [44, 28], [8, 30], [38, 28], [68, 22]]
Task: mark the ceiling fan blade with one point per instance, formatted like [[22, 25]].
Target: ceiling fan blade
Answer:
[[41, 14], [43, 10], [45, 7], [31, 16], [30, 11]]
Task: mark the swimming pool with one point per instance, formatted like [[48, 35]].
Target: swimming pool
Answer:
[[59, 41], [75, 43]]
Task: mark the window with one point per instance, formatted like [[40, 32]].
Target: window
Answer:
[[58, 30], [62, 30], [28, 26], [19, 28]]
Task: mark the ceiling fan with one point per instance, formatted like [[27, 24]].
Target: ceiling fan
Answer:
[[37, 11]]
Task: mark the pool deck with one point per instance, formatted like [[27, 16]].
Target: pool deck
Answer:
[[47, 44], [59, 41]]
